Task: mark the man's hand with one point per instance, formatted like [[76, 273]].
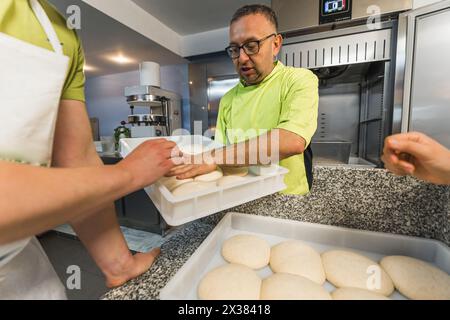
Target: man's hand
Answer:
[[191, 170], [150, 161], [418, 155]]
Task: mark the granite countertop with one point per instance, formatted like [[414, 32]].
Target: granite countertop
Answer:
[[360, 198]]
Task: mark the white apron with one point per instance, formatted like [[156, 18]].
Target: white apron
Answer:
[[31, 82]]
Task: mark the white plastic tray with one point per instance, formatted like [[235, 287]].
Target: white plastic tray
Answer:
[[183, 286], [183, 209]]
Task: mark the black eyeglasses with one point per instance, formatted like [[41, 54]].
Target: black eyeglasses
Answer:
[[250, 47]]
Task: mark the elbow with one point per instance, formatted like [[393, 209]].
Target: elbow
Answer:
[[290, 144], [296, 147]]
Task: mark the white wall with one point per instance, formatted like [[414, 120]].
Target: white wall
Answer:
[[205, 42], [421, 3], [105, 97]]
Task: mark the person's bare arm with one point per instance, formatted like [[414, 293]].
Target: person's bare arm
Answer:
[[274, 146], [99, 229], [35, 199]]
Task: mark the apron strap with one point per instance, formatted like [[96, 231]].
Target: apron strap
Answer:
[[47, 25]]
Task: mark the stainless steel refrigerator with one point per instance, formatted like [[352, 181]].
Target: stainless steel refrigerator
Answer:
[[422, 86]]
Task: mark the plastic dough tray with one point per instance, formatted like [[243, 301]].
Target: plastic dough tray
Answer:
[[183, 286], [182, 209]]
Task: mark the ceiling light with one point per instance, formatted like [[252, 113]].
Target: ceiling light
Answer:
[[121, 59]]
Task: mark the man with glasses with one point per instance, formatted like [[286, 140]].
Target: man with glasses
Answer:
[[270, 97]]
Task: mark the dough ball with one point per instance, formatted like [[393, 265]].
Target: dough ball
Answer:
[[209, 177], [248, 250], [172, 183], [230, 282], [356, 294], [349, 269], [224, 181], [189, 188], [235, 171], [295, 257], [283, 286], [417, 279]]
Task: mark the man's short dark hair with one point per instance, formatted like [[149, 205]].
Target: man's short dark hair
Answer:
[[256, 9]]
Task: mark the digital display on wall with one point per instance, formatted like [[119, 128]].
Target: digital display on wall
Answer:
[[334, 6], [335, 11]]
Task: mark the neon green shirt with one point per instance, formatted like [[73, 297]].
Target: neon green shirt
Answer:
[[17, 19], [286, 99]]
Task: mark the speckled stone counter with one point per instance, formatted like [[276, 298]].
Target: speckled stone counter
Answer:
[[368, 199]]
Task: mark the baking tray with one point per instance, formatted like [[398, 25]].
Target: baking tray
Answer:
[[375, 245]]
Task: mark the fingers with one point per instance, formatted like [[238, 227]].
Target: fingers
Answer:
[[413, 143], [195, 171], [413, 148], [396, 170], [188, 171], [167, 149], [401, 150], [180, 170], [397, 163], [176, 161], [407, 167]]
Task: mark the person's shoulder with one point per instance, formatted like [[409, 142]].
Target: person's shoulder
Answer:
[[60, 21], [228, 96], [299, 74]]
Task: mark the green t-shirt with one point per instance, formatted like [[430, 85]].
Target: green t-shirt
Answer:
[[17, 19], [286, 99]]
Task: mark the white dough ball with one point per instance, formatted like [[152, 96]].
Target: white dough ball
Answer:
[[172, 183], [209, 177], [248, 250], [283, 286], [189, 188], [347, 269], [417, 279], [295, 257], [227, 180], [230, 282], [356, 294]]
